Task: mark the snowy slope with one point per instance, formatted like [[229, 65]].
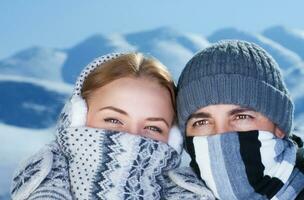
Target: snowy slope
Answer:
[[31, 103], [285, 57], [289, 38], [171, 47], [16, 145], [36, 62], [84, 52]]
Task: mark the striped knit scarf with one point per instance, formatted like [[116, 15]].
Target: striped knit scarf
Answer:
[[247, 165], [106, 164]]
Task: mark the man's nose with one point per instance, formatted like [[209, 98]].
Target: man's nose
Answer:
[[222, 128]]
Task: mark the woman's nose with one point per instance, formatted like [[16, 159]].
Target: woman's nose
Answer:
[[134, 129]]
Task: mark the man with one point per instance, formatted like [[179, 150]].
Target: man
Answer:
[[237, 115]]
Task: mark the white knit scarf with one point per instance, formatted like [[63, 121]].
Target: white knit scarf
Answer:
[[106, 164]]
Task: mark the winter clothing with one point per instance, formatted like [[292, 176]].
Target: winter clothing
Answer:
[[43, 176], [235, 72], [187, 179], [89, 163], [247, 165], [240, 165], [114, 165], [194, 187]]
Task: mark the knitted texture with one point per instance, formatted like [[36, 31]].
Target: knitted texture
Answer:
[[107, 164], [194, 188], [247, 165], [235, 72], [43, 176]]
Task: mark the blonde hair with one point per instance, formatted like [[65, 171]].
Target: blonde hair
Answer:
[[129, 65]]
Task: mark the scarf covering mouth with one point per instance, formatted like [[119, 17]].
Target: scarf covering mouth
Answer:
[[106, 164], [246, 165]]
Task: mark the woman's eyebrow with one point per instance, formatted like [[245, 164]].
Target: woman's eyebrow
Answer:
[[158, 119], [114, 109]]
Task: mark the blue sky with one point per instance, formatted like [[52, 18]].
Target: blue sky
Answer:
[[63, 23]]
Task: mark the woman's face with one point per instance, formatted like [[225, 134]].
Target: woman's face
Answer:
[[138, 106]]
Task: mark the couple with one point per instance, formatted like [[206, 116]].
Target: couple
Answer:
[[116, 137]]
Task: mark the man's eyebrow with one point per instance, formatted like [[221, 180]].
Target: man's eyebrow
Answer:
[[199, 115], [158, 119], [240, 110], [114, 109]]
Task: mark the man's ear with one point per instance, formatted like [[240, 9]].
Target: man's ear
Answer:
[[278, 132]]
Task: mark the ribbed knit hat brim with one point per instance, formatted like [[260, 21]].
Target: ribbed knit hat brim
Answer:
[[237, 90]]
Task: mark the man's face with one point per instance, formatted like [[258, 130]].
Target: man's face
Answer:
[[222, 118]]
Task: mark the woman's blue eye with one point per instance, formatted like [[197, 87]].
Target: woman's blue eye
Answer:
[[154, 129], [113, 121], [202, 122]]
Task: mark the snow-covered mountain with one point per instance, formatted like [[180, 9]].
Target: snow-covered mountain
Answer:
[[171, 47], [174, 49], [285, 57], [36, 62], [31, 103], [35, 82], [290, 38], [84, 52]]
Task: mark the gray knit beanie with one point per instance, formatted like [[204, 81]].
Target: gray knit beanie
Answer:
[[235, 72]]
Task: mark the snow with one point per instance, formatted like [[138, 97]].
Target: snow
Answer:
[[35, 62], [35, 107], [285, 57], [292, 39], [172, 55], [85, 51], [121, 43], [48, 85], [199, 41], [299, 33], [16, 145], [25, 142], [282, 51]]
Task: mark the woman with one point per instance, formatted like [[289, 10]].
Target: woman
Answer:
[[113, 139]]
